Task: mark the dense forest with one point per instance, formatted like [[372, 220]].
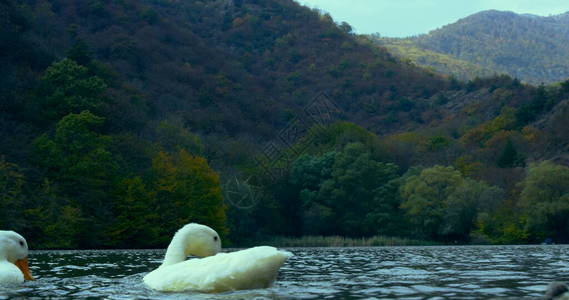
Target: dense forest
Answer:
[[532, 48], [122, 120]]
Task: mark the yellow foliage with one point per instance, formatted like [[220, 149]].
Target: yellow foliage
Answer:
[[192, 190], [499, 138], [238, 22], [479, 135], [531, 134], [467, 166]]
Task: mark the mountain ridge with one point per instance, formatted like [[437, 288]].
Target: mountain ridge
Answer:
[[533, 48]]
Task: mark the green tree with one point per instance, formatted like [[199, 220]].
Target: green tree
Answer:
[[12, 182], [503, 226], [441, 204], [468, 201], [345, 27], [67, 87], [173, 136], [246, 205], [80, 53], [529, 112], [346, 192], [545, 201], [425, 198], [78, 161], [322, 139], [307, 175], [53, 221], [136, 215], [509, 156]]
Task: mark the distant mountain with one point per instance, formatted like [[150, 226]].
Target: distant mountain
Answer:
[[532, 48]]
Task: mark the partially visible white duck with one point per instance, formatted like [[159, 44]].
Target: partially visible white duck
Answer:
[[247, 269], [13, 259]]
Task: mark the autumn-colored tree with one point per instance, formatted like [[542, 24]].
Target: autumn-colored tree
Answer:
[[187, 190], [478, 136]]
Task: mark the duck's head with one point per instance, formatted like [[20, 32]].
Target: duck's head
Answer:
[[199, 240], [14, 248]]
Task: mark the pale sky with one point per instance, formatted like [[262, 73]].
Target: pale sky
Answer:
[[400, 18]]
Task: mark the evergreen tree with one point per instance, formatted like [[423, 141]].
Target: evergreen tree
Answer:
[[78, 162], [509, 157], [12, 182], [80, 53], [66, 87]]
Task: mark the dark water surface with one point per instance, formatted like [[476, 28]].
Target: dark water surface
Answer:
[[331, 273]]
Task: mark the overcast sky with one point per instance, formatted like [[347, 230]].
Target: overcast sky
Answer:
[[400, 18]]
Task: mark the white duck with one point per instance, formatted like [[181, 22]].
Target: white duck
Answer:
[[13, 259], [247, 269]]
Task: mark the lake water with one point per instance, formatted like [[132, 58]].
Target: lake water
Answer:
[[331, 273]]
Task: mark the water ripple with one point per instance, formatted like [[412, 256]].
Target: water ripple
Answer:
[[331, 273]]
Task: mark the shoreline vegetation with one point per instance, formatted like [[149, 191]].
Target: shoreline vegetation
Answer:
[[318, 241], [303, 242], [339, 241]]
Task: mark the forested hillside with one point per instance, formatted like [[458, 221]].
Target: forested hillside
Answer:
[[532, 48], [406, 49], [123, 120]]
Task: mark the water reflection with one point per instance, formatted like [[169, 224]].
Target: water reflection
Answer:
[[337, 273]]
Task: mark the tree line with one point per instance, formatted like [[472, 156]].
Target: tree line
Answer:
[[88, 188], [351, 185]]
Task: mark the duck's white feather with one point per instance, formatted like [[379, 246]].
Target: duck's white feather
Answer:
[[247, 269], [13, 248], [10, 274]]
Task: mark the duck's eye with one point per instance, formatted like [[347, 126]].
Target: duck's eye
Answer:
[[22, 243], [215, 238]]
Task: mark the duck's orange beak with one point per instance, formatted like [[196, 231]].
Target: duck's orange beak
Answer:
[[22, 264]]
